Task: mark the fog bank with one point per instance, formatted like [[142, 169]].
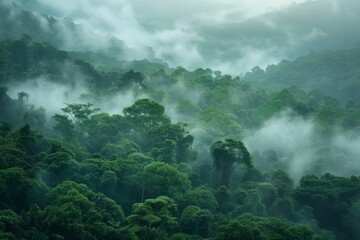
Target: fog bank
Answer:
[[294, 144]]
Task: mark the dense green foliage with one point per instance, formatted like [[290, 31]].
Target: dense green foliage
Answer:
[[143, 173], [334, 73]]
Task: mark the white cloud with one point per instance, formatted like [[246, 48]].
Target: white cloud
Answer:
[[175, 11], [301, 150], [49, 95], [227, 35], [284, 133], [111, 17]]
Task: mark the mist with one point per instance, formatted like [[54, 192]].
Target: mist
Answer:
[[301, 149], [53, 96], [49, 95], [176, 164], [230, 36]]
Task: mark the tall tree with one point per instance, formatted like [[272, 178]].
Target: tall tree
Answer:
[[226, 154], [75, 115]]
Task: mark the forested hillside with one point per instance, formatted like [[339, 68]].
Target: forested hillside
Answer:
[[93, 146], [63, 33], [164, 178], [335, 73]]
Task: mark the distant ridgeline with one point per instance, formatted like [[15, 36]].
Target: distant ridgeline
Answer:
[[232, 104], [169, 165], [333, 73], [25, 59], [63, 33]]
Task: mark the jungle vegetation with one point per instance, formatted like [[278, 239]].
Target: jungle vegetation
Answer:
[[174, 162]]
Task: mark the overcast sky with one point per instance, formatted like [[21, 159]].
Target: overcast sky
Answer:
[[228, 35]]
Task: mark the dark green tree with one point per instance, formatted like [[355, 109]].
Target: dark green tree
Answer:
[[201, 197], [250, 227], [78, 112], [71, 123], [153, 219], [163, 179], [145, 113], [76, 212], [195, 220], [17, 189], [226, 154]]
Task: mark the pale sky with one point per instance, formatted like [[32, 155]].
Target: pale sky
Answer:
[[228, 35]]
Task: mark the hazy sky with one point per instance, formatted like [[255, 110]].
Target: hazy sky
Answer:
[[229, 35]]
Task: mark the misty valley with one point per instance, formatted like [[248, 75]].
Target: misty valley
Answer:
[[101, 139]]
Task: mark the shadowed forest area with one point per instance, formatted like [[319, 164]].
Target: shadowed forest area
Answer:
[[95, 146]]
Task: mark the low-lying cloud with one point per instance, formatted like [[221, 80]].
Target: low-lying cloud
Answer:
[[52, 96], [231, 36], [300, 149]]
